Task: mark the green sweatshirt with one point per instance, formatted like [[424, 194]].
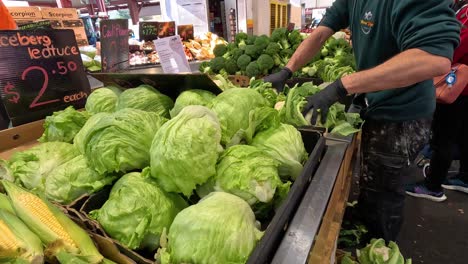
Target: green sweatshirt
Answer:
[[382, 29]]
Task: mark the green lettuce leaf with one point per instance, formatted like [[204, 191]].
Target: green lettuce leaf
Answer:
[[31, 167], [221, 228], [192, 97], [147, 99], [63, 125], [185, 150], [285, 145], [233, 108], [138, 210], [249, 173], [120, 141], [102, 100], [73, 179]]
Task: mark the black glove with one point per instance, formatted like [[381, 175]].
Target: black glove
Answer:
[[323, 100], [278, 80]]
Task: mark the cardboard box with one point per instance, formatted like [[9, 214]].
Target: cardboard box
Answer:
[[59, 13], [28, 13]]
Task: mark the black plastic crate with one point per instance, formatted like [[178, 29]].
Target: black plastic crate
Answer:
[[265, 249]]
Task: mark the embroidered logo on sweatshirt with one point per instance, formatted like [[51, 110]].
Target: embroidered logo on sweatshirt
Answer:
[[367, 22]]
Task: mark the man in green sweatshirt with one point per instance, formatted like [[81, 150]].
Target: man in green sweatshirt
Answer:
[[399, 47]]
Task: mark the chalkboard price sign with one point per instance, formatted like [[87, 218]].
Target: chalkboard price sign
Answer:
[[40, 72], [148, 31], [114, 45]]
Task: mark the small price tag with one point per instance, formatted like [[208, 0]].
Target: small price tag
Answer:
[[148, 31], [40, 72]]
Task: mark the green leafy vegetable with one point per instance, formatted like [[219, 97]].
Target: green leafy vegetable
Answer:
[[31, 167], [378, 253], [221, 228], [233, 107], [73, 179], [119, 141], [102, 100], [192, 97], [249, 173], [285, 145], [147, 99], [63, 125], [138, 210], [185, 150]]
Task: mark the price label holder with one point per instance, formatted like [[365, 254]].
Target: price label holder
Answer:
[[40, 72], [148, 31], [114, 44], [171, 55], [169, 84]]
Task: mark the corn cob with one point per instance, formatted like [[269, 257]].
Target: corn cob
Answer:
[[17, 241], [59, 233], [5, 203]]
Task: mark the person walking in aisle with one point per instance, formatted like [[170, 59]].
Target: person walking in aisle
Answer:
[[399, 47], [449, 131]]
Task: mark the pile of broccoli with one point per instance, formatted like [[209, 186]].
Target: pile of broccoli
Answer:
[[335, 60], [254, 55]]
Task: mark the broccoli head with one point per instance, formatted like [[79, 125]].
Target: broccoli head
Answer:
[[205, 67], [217, 64], [236, 53], [253, 51], [280, 35], [241, 36], [286, 53], [295, 37], [262, 42], [243, 61], [273, 48], [252, 69], [231, 66], [219, 50], [265, 62], [231, 46], [250, 40]]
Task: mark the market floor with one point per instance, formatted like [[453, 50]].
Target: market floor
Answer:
[[435, 233]]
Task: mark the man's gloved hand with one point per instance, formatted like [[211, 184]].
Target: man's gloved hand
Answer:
[[323, 100], [278, 80]]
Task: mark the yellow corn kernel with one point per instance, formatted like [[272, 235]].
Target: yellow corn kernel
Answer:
[[8, 241], [41, 211]]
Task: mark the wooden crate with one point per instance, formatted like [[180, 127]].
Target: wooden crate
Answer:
[[324, 249], [20, 138]]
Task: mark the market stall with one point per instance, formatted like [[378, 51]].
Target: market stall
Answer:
[[249, 149]]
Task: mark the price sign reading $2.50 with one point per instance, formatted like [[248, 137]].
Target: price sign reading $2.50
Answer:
[[40, 72]]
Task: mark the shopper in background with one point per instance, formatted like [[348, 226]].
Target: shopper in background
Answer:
[[449, 131], [399, 47]]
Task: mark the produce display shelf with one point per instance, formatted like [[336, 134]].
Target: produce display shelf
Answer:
[[311, 237], [265, 249]]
